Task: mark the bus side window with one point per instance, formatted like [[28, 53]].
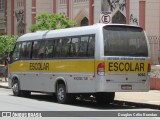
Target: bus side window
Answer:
[[75, 46], [83, 51], [38, 50], [17, 52], [57, 48], [91, 46], [41, 50], [35, 50], [49, 49], [28, 52], [65, 47], [26, 48], [83, 46]]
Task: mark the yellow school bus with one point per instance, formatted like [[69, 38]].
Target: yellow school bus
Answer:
[[96, 61]]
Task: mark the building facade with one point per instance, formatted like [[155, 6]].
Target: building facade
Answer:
[[2, 17], [17, 16]]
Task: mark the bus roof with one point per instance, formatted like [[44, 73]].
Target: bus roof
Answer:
[[92, 29]]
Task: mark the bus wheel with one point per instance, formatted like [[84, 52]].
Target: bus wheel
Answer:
[[62, 96], [105, 98], [16, 88]]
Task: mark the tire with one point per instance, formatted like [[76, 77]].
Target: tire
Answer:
[[105, 98], [62, 96], [16, 90]]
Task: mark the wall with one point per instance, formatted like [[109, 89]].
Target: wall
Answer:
[[28, 15], [80, 9], [153, 27], [2, 22], [8, 17], [2, 18], [97, 10], [62, 7], [134, 12], [44, 6]]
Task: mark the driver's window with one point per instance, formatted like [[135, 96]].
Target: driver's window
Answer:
[[16, 53]]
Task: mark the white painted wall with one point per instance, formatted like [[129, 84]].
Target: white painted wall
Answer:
[[44, 6], [134, 10], [97, 10], [28, 15], [153, 27]]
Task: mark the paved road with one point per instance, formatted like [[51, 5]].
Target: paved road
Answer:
[[42, 102]]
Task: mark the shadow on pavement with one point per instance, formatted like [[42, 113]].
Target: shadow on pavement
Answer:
[[92, 104]]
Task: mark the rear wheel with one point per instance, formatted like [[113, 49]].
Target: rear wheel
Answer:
[[62, 96]]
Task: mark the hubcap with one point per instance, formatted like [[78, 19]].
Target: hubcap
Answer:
[[61, 93], [15, 87]]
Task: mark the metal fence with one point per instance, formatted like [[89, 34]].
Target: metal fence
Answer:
[[154, 42]]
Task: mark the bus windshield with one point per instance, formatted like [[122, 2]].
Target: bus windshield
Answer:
[[124, 41]]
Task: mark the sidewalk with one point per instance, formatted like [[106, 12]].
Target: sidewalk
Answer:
[[3, 84], [149, 99]]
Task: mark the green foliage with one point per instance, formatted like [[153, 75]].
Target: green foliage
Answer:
[[52, 22], [6, 44]]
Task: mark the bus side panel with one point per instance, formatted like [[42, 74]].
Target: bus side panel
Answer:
[[78, 74], [42, 75]]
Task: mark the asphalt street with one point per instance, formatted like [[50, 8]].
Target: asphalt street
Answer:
[[43, 102]]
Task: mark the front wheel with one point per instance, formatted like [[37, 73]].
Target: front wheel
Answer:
[[62, 96], [16, 89]]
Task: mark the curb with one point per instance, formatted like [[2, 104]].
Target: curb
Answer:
[[139, 105], [1, 86]]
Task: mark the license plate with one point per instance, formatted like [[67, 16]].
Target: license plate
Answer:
[[126, 87]]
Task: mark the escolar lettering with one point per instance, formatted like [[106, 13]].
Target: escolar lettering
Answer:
[[39, 66], [127, 66]]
